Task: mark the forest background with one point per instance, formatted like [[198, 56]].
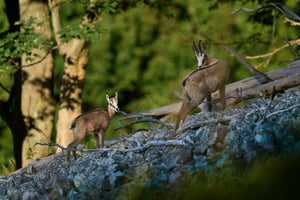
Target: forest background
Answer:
[[143, 50]]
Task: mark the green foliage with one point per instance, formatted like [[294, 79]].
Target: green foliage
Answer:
[[88, 28], [84, 32], [6, 151], [15, 44], [146, 51], [3, 19]]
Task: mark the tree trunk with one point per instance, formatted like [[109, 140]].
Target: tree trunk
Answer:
[[37, 99], [75, 60], [71, 90]]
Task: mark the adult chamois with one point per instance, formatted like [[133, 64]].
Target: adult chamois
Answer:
[[94, 122], [210, 76]]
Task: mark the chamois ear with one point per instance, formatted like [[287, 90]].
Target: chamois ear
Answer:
[[116, 95], [107, 97]]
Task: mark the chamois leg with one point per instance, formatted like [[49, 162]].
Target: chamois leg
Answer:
[[101, 142], [191, 101], [209, 102], [186, 107], [73, 144], [99, 137], [97, 140], [222, 97]]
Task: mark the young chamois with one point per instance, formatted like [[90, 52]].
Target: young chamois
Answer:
[[211, 75], [94, 122]]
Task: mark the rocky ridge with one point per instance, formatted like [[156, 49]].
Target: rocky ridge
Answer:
[[215, 155]]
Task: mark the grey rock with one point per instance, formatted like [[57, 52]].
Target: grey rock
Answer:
[[164, 164]]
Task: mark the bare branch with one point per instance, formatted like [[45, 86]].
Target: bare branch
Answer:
[[146, 146], [58, 145], [247, 9], [162, 113], [286, 11], [282, 111], [223, 120], [169, 126], [260, 77], [40, 60], [4, 88], [122, 112], [141, 148], [269, 105], [271, 54], [290, 14], [292, 23], [292, 49]]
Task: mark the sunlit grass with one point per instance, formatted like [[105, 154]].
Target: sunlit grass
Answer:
[[7, 165]]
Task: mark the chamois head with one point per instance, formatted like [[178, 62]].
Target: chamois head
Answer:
[[112, 102], [200, 53]]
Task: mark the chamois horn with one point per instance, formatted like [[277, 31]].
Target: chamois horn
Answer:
[[195, 47]]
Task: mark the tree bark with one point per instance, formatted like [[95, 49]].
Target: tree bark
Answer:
[[71, 90], [36, 98], [75, 59]]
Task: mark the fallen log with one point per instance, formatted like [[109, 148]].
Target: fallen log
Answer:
[[162, 113], [282, 79]]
